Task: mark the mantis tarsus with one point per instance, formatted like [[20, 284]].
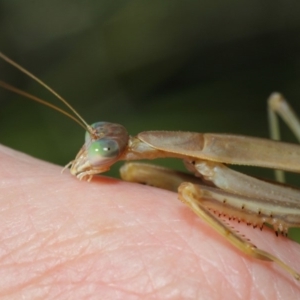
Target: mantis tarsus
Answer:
[[218, 190]]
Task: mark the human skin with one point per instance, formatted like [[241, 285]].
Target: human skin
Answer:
[[108, 239]]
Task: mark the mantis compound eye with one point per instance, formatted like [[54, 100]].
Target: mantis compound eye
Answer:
[[103, 150]]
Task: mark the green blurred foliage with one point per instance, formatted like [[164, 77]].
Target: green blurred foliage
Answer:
[[205, 66]]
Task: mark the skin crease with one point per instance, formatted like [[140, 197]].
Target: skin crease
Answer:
[[108, 239]]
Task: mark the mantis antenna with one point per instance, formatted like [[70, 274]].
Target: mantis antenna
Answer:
[[78, 120]]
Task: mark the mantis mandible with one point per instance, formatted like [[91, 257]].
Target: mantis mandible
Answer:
[[215, 189]]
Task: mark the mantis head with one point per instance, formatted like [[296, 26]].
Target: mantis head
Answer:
[[104, 145]]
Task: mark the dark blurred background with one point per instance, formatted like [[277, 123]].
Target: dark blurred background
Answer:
[[205, 66]]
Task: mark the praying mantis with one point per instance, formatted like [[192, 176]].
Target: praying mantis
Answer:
[[214, 189]]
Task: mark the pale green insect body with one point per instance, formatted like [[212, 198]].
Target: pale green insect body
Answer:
[[225, 191]]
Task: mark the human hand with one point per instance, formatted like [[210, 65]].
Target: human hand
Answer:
[[108, 239]]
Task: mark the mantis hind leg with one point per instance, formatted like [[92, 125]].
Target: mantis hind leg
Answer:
[[278, 105]]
